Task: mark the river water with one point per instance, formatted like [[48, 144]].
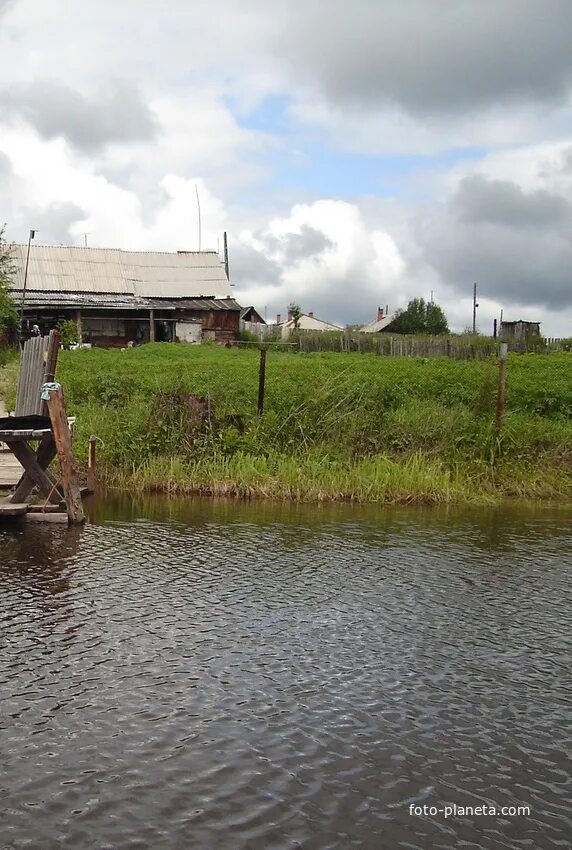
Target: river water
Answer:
[[223, 676]]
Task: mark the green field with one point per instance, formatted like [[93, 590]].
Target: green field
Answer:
[[336, 426]]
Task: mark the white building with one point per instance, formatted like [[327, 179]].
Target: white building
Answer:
[[306, 322]]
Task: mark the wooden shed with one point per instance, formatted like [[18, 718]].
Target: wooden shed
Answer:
[[117, 297]]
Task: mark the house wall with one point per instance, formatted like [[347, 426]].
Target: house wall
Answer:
[[218, 325], [116, 328], [189, 331], [104, 332], [252, 317]]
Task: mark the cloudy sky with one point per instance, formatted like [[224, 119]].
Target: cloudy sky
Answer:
[[358, 152]]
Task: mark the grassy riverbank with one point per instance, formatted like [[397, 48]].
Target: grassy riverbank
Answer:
[[337, 426]]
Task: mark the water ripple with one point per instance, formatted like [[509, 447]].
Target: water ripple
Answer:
[[259, 679]]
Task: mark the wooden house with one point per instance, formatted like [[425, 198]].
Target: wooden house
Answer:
[[116, 297]]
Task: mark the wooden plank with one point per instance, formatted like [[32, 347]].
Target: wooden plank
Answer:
[[68, 467], [12, 509], [54, 343], [38, 517], [37, 367], [27, 434]]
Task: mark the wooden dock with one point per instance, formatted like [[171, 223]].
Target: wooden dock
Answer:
[[10, 469]]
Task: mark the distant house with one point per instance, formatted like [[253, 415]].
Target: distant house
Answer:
[[250, 314], [381, 323], [119, 296], [306, 322], [519, 330]]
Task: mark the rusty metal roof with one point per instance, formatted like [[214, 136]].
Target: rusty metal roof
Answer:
[[116, 301], [139, 274]]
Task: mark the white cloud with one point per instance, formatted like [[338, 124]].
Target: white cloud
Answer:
[[344, 279], [380, 78]]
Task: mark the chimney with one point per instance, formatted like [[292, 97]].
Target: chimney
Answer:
[[289, 316], [379, 314], [278, 318], [311, 315]]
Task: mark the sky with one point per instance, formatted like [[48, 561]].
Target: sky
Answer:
[[358, 154]]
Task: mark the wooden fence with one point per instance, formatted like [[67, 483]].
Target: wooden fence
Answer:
[[457, 347], [401, 345]]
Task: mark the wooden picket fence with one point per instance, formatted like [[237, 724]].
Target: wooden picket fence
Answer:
[[401, 345]]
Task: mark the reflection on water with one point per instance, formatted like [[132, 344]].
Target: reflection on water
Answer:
[[199, 675]]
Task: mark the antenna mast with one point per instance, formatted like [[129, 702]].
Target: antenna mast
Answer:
[[199, 210]]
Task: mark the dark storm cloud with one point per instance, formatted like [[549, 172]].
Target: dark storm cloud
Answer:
[[88, 122], [430, 55], [250, 267], [293, 247], [503, 202], [518, 251], [54, 222], [307, 243]]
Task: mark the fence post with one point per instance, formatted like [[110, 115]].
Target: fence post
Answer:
[[502, 387], [91, 464], [261, 380]]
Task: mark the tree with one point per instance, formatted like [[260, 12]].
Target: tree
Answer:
[[295, 312], [8, 314], [436, 320], [420, 318]]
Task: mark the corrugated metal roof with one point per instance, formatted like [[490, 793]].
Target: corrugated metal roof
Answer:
[[143, 274], [105, 301], [206, 304], [113, 300]]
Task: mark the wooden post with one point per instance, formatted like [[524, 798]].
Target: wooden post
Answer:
[[54, 343], [68, 467], [502, 386], [78, 323], [261, 380], [91, 464], [151, 325]]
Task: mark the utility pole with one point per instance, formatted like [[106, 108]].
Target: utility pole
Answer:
[[30, 237], [475, 305]]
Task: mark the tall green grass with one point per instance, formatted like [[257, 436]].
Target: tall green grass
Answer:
[[351, 426]]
